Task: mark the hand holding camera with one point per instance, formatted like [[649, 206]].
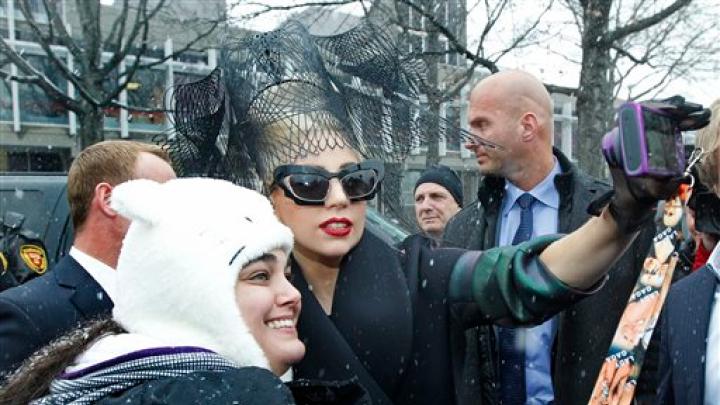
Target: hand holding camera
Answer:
[[646, 156]]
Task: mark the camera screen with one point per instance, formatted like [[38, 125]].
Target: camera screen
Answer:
[[661, 143]]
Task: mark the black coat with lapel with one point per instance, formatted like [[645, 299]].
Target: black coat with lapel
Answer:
[[388, 327], [685, 322], [33, 314]]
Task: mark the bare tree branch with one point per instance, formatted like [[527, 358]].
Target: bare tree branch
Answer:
[[645, 23], [265, 8], [124, 45], [678, 62], [492, 17], [451, 38], [530, 30], [136, 66], [52, 56], [576, 14], [117, 31], [134, 108], [64, 37], [35, 76], [638, 60], [89, 13]]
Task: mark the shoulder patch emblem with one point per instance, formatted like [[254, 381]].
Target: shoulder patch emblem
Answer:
[[34, 257], [3, 263]]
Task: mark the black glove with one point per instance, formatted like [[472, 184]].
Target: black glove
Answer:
[[634, 199]]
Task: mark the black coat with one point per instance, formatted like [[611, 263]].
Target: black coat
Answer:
[[33, 314], [585, 329], [240, 386]]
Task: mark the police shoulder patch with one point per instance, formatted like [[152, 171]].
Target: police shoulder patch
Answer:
[[34, 257], [3, 263]]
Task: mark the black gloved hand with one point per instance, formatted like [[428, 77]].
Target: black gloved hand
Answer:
[[634, 199]]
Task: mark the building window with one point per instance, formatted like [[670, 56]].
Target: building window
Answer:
[[452, 114], [415, 19], [35, 105], [557, 133], [416, 44], [112, 114], [407, 188], [440, 11], [6, 113], [147, 89], [34, 159], [190, 57]]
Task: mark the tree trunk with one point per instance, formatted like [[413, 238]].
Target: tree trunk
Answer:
[[91, 126], [594, 103]]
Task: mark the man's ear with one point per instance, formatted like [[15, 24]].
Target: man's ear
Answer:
[[101, 199], [530, 126]]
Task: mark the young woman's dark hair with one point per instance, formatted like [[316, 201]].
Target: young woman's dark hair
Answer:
[[32, 380]]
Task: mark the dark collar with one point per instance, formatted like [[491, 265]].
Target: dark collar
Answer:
[[355, 340], [88, 297], [69, 273], [492, 188]]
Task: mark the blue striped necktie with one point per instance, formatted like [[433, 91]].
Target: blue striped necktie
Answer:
[[512, 341]]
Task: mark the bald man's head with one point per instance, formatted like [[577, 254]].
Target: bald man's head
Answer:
[[513, 109], [517, 92]]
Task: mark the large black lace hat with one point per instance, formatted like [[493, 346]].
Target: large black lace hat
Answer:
[[282, 95]]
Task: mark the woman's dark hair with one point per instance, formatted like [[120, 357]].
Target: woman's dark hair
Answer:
[[32, 379]]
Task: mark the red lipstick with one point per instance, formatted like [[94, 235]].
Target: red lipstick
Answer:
[[337, 227]]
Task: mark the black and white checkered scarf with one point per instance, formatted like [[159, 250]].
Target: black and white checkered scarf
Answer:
[[93, 383]]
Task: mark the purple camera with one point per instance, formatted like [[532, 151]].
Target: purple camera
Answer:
[[646, 142]]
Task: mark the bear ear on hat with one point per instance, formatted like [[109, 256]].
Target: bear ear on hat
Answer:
[[140, 199]]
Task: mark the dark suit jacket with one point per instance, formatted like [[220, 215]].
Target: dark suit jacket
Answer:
[[33, 314], [685, 323]]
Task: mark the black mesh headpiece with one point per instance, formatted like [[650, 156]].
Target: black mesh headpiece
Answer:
[[285, 94]]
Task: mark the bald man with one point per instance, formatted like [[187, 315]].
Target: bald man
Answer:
[[530, 189]]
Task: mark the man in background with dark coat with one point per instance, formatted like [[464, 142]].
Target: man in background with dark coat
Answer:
[[81, 285], [562, 357]]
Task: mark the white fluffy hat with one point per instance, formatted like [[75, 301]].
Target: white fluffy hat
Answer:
[[179, 263]]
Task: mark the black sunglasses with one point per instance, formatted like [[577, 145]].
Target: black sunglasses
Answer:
[[309, 185]]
